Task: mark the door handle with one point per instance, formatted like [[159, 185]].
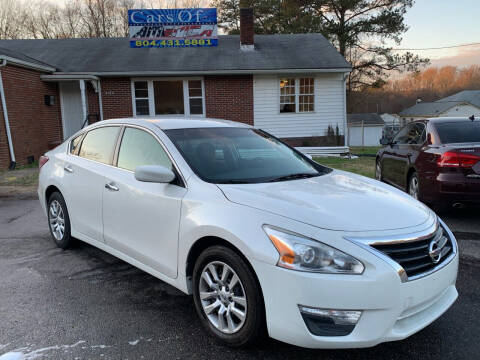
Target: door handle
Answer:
[[68, 169], [112, 187]]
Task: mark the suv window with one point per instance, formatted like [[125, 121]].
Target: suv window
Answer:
[[99, 144], [411, 134], [75, 143], [140, 148]]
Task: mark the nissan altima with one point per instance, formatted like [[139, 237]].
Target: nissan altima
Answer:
[[266, 240]]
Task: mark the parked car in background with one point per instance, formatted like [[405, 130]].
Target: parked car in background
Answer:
[[435, 160], [264, 238]]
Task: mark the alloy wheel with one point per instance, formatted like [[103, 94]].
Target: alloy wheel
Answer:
[[223, 297], [57, 220], [413, 187]]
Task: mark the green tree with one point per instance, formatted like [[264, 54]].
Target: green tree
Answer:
[[362, 30], [271, 16]]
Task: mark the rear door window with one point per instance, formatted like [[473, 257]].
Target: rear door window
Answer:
[[411, 134], [138, 148], [99, 144]]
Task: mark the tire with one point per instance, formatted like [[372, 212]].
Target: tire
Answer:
[[59, 221], [234, 332], [413, 186], [378, 170]]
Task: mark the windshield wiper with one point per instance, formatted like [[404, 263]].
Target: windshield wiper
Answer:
[[235, 181], [293, 177]]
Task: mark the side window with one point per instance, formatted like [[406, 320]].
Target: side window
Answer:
[[140, 148], [74, 144], [99, 144], [402, 136], [416, 134]]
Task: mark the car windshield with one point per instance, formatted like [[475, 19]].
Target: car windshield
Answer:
[[459, 132], [229, 155]]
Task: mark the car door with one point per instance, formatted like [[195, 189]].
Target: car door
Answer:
[[408, 152], [83, 180], [392, 154], [142, 219]]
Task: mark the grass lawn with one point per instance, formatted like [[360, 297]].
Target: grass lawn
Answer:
[[363, 165], [364, 150], [27, 176]]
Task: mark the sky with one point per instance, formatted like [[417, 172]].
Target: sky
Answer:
[[438, 23]]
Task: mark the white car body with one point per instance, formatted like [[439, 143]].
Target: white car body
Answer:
[[340, 209]]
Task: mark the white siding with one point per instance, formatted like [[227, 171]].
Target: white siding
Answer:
[[372, 137], [462, 110], [329, 107]]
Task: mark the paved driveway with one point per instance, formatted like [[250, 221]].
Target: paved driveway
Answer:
[[85, 304]]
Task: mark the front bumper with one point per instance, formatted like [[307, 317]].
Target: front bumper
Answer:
[[391, 310]]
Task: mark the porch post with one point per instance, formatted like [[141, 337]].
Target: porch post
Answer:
[[84, 100]]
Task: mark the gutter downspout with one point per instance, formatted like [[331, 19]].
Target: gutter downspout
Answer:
[[5, 117], [84, 102], [100, 100]]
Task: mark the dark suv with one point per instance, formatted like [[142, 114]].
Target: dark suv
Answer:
[[435, 160]]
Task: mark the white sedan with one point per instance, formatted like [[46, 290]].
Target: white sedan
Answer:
[[266, 240]]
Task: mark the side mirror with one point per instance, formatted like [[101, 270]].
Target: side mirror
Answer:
[[385, 141], [154, 174]]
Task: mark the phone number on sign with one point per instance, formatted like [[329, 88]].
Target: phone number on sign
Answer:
[[173, 43]]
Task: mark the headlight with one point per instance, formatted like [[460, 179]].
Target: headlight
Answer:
[[299, 253]]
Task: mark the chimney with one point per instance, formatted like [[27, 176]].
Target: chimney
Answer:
[[246, 28]]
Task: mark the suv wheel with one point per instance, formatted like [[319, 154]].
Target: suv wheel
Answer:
[[227, 297], [413, 186], [58, 220]]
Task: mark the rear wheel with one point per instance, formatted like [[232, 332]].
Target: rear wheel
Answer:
[[413, 186], [228, 298], [58, 220]]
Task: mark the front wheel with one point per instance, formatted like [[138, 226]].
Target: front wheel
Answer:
[[413, 186], [378, 170], [59, 221], [228, 298]]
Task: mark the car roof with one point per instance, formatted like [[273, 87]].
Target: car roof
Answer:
[[168, 123], [449, 119]]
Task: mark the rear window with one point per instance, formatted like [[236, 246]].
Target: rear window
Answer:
[[99, 144], [459, 131]]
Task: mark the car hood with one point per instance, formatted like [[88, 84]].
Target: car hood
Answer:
[[336, 201]]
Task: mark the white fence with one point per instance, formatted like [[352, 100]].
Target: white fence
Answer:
[[325, 150]]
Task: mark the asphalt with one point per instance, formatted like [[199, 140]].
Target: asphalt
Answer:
[[85, 304]]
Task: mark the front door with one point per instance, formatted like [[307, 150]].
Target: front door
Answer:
[[141, 219], [71, 105]]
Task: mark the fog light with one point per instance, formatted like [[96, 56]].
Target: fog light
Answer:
[[328, 322]]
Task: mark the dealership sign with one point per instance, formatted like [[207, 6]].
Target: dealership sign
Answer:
[[173, 27]]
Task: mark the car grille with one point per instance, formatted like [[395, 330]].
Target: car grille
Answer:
[[419, 256]]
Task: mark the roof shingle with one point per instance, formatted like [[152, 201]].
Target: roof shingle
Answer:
[[112, 55]]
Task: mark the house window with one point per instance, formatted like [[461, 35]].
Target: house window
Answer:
[[287, 95], [168, 97], [297, 95], [141, 97], [195, 97], [305, 99]]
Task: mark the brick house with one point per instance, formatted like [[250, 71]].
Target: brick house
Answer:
[[290, 85]]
